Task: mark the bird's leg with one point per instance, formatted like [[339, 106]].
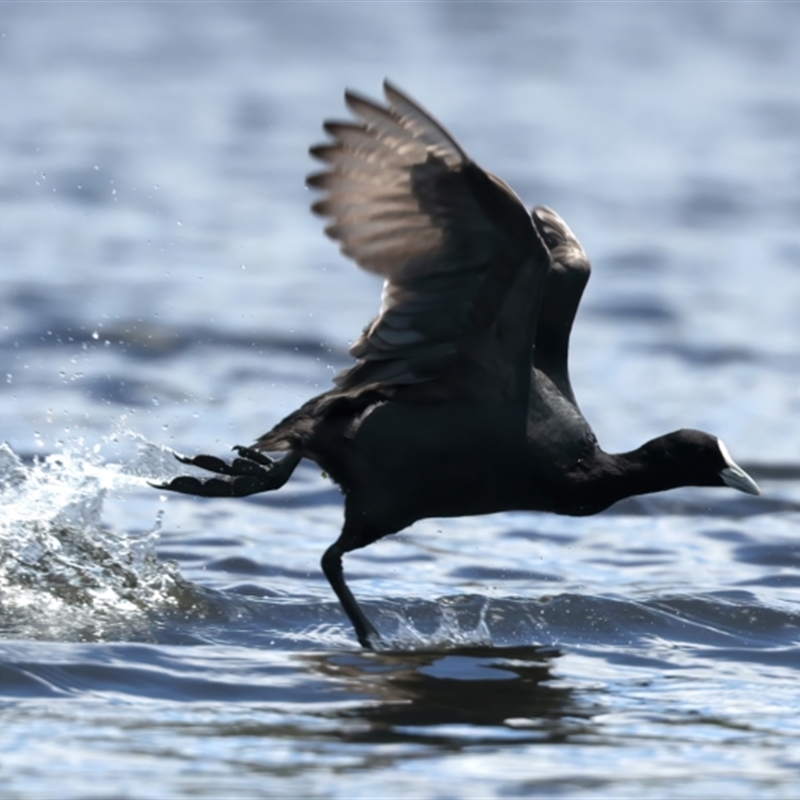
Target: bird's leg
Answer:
[[332, 567], [250, 472]]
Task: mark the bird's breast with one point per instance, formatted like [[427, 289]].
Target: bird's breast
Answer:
[[402, 463]]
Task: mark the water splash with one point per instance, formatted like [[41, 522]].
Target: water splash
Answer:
[[63, 574], [459, 622]]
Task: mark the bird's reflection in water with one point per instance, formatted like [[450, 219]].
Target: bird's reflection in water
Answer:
[[455, 696]]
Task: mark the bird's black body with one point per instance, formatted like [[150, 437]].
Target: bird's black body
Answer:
[[460, 402]]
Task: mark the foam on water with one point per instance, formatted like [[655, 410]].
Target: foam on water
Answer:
[[63, 573]]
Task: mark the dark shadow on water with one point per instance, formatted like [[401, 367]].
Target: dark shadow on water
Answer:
[[454, 697]]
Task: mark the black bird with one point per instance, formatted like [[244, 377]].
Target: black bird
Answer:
[[460, 401]]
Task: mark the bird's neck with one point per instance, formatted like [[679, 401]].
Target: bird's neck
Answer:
[[613, 477]]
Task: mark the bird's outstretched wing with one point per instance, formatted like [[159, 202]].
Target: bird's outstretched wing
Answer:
[[464, 266], [563, 289]]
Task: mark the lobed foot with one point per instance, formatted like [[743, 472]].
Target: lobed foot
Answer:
[[250, 473]]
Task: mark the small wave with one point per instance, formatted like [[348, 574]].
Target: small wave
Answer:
[[716, 620], [63, 574]]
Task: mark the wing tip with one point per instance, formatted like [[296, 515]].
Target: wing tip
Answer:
[[392, 93], [355, 100]]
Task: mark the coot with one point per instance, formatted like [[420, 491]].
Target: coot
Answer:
[[460, 400]]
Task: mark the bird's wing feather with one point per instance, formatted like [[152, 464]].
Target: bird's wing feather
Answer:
[[563, 289], [463, 264]]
